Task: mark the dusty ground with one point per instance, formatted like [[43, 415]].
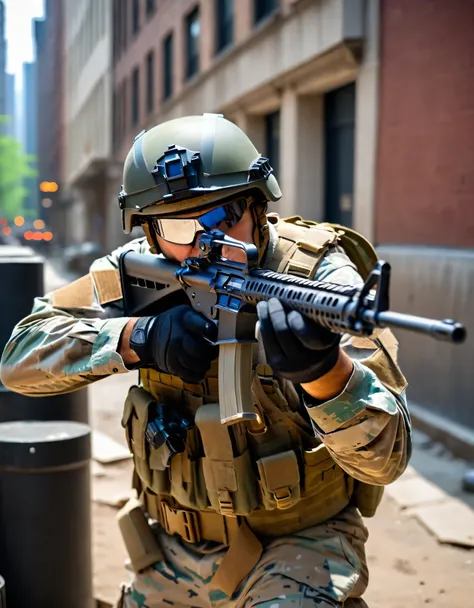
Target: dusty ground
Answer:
[[408, 567]]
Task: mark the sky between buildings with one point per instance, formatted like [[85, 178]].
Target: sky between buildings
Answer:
[[19, 34]]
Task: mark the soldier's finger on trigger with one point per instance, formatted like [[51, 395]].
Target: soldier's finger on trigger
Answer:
[[198, 325]]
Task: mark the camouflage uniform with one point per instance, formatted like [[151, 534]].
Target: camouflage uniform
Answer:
[[67, 343]]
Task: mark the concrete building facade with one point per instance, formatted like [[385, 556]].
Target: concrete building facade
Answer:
[[424, 216], [50, 119], [288, 72], [10, 105], [89, 170], [29, 137]]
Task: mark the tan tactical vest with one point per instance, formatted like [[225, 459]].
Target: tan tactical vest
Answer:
[[279, 476]]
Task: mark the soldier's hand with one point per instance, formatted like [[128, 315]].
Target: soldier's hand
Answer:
[[175, 342], [296, 348]]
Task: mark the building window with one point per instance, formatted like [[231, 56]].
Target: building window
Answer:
[[150, 8], [224, 24], [272, 140], [193, 29], [124, 24], [123, 109], [150, 82], [136, 16], [168, 67], [135, 97], [263, 8]]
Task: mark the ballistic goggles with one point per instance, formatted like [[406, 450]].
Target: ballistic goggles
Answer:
[[183, 231]]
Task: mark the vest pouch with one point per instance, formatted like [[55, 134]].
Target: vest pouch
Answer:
[[324, 480], [187, 481], [147, 460], [279, 480], [367, 498], [227, 467]]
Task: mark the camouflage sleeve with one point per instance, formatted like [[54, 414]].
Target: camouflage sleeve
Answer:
[[71, 337], [366, 428]]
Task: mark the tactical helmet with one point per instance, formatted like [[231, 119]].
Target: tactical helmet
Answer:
[[191, 163]]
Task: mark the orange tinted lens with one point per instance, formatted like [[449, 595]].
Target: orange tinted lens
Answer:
[[178, 231]]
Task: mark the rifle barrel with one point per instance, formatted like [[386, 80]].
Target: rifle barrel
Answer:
[[445, 330]]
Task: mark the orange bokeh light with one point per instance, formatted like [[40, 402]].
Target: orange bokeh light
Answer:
[[19, 220], [38, 224], [28, 235], [47, 236], [7, 231], [3, 221]]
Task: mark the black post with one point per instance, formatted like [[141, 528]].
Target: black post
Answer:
[[3, 599], [45, 514], [21, 280]]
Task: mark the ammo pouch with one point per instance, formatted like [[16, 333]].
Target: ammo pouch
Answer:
[[227, 466], [150, 464], [141, 544]]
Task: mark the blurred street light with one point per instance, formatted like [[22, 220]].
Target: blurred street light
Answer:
[[46, 202], [28, 235], [39, 224], [3, 221], [47, 236], [19, 220], [49, 187], [7, 231]]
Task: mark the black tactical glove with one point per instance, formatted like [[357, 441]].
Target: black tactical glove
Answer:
[[175, 342], [296, 348]]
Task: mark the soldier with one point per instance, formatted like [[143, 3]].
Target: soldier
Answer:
[[244, 515]]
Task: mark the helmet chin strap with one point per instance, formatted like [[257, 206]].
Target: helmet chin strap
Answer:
[[151, 237], [261, 232]]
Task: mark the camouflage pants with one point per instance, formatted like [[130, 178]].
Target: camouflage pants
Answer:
[[321, 566]]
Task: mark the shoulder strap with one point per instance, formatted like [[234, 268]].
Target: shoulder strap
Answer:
[[360, 251], [301, 245]]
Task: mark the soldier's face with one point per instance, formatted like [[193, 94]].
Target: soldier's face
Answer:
[[242, 231]]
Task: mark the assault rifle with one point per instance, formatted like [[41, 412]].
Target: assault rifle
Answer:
[[227, 292]]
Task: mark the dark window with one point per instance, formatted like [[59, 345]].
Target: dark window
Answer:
[[135, 97], [120, 28], [150, 8], [263, 8], [224, 23], [168, 67], [272, 140], [116, 119], [150, 82], [117, 19], [136, 16], [123, 109], [193, 29]]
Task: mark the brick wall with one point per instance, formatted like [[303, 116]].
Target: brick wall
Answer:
[[425, 172]]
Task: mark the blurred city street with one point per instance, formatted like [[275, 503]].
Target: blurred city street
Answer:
[[408, 566], [350, 120]]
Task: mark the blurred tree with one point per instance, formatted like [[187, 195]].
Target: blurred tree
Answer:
[[15, 167]]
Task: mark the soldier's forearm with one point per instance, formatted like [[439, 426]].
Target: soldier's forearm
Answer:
[[332, 383]]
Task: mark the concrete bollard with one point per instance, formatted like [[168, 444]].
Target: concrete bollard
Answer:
[[45, 514], [21, 280]]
